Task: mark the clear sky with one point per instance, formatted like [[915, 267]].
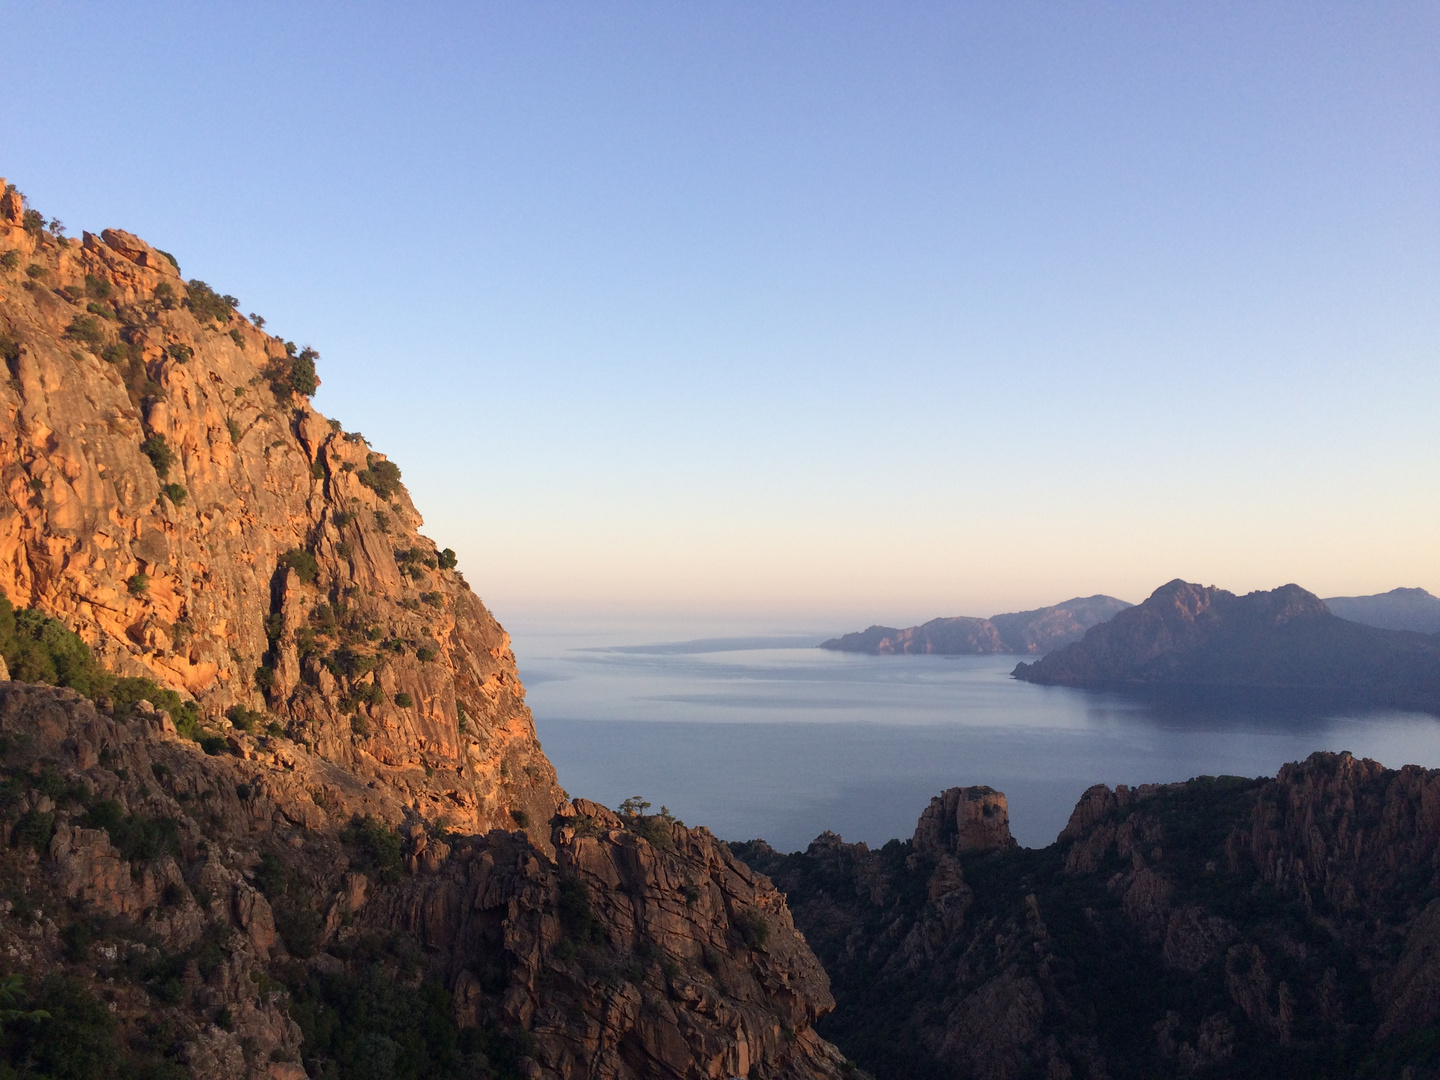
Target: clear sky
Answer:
[[831, 312]]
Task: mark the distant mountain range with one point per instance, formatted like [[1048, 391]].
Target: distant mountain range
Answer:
[[1398, 609], [1193, 637], [1028, 632]]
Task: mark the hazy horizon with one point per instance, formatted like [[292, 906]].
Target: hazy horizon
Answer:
[[819, 315]]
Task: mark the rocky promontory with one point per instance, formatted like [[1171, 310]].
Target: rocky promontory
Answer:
[[1025, 632], [1278, 645]]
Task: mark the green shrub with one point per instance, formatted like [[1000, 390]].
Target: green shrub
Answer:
[[346, 661], [447, 560], [206, 304], [40, 649], [404, 700], [302, 562], [245, 719], [181, 353], [317, 469], [292, 373], [159, 453], [173, 262], [86, 330], [380, 475], [425, 654], [754, 930], [175, 493], [213, 745], [577, 918], [238, 338], [10, 260], [138, 584], [265, 678], [33, 222], [97, 288], [378, 844], [233, 427], [136, 837], [105, 311], [33, 830], [118, 354]]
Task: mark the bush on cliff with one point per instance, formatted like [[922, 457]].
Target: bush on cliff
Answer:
[[206, 304], [159, 453], [86, 330], [41, 649], [294, 373], [302, 562], [380, 476]]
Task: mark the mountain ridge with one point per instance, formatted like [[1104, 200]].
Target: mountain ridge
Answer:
[[1192, 638], [1024, 632]]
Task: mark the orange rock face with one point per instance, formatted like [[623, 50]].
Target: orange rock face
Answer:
[[381, 808], [173, 568]]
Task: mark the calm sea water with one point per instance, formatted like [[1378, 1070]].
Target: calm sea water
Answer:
[[767, 738]]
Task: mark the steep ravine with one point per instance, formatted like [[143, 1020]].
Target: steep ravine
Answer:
[[341, 851]]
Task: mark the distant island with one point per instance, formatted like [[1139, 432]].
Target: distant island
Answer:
[[1286, 641], [1398, 609], [1026, 632]]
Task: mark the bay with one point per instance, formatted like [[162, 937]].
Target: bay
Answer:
[[770, 737]]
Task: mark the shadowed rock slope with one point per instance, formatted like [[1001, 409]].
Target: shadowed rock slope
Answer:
[[1278, 644], [285, 813], [179, 913], [1032, 632], [1220, 927]]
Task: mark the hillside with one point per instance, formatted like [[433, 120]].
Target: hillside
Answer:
[[1223, 927], [1026, 632], [274, 803], [1398, 609], [1279, 644]]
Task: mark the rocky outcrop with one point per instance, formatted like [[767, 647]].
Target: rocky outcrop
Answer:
[[962, 821], [1277, 645], [1026, 632], [1224, 924], [174, 498]]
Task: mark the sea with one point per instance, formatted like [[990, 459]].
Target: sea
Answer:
[[771, 737]]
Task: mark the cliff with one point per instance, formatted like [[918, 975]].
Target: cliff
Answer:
[[1221, 927], [1026, 632], [1277, 644], [282, 810], [177, 501]]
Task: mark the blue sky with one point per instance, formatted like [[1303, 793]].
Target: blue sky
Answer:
[[818, 313]]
